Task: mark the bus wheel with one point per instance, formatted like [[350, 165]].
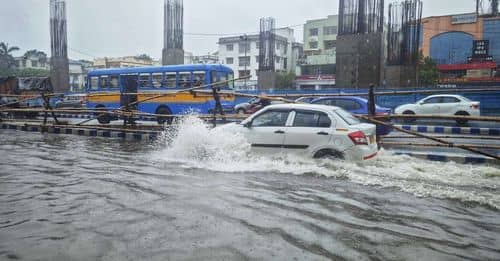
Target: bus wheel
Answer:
[[163, 120], [102, 118]]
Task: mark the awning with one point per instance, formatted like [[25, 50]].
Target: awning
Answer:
[[466, 66]]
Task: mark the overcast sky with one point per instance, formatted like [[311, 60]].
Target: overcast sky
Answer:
[[98, 28]]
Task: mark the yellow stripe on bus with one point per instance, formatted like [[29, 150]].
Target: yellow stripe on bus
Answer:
[[173, 98]]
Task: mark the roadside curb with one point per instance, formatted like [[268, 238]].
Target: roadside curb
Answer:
[[125, 135], [475, 160], [452, 130]]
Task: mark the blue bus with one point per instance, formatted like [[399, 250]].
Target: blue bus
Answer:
[[106, 88]]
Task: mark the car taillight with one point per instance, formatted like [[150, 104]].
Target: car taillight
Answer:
[[358, 138], [475, 106]]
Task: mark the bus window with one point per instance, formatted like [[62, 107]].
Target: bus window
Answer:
[[199, 79], [185, 80], [94, 83], [170, 80], [104, 82], [213, 76], [157, 80], [114, 82], [144, 80]]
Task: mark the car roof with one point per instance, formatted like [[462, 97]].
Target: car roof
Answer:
[[342, 97], [295, 106], [445, 95]]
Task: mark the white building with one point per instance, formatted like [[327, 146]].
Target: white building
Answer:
[[241, 53], [190, 58]]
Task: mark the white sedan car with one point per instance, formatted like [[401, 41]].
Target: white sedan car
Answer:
[[315, 130], [447, 105]]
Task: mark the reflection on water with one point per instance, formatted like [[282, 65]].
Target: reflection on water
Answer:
[[73, 198]]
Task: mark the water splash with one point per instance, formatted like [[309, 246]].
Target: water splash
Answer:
[[195, 145]]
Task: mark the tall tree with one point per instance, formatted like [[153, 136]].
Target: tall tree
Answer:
[[40, 55], [7, 61], [429, 74]]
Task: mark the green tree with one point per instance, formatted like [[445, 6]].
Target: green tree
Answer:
[[7, 61], [285, 80], [144, 57], [40, 55], [428, 73]]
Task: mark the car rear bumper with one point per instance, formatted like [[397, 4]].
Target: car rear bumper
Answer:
[[362, 152]]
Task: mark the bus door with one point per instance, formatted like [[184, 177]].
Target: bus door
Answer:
[[129, 85]]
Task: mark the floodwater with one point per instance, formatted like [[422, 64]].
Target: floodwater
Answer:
[[203, 196]]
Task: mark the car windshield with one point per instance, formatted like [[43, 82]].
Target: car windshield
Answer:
[[347, 117]]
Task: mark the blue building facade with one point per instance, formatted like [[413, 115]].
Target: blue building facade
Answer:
[[451, 47], [492, 33]]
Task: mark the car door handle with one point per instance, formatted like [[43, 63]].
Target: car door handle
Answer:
[[279, 132], [323, 133]]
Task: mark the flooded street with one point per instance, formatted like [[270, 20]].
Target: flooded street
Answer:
[[202, 197]]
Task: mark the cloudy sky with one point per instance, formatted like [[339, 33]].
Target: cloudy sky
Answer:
[[98, 28]]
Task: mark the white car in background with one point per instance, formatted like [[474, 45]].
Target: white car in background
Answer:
[[447, 105], [315, 130]]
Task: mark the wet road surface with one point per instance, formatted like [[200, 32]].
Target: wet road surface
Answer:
[[77, 198]]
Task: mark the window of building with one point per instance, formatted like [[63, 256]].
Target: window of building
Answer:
[[313, 32], [114, 81], [157, 80], [330, 44], [144, 80], [94, 83], [257, 45], [257, 59], [278, 46], [278, 59], [229, 47], [243, 73], [244, 61], [271, 119], [244, 47], [170, 80], [311, 119], [24, 63], [330, 30], [229, 60], [34, 63], [313, 45]]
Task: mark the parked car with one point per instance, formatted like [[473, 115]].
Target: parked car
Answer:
[[306, 99], [318, 131], [356, 105], [243, 107], [72, 101], [448, 105], [262, 103]]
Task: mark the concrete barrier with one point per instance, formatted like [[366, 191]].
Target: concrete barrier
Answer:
[[452, 130], [129, 136]]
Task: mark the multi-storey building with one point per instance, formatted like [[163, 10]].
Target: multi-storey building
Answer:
[[241, 53], [449, 41], [123, 62], [320, 41]]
